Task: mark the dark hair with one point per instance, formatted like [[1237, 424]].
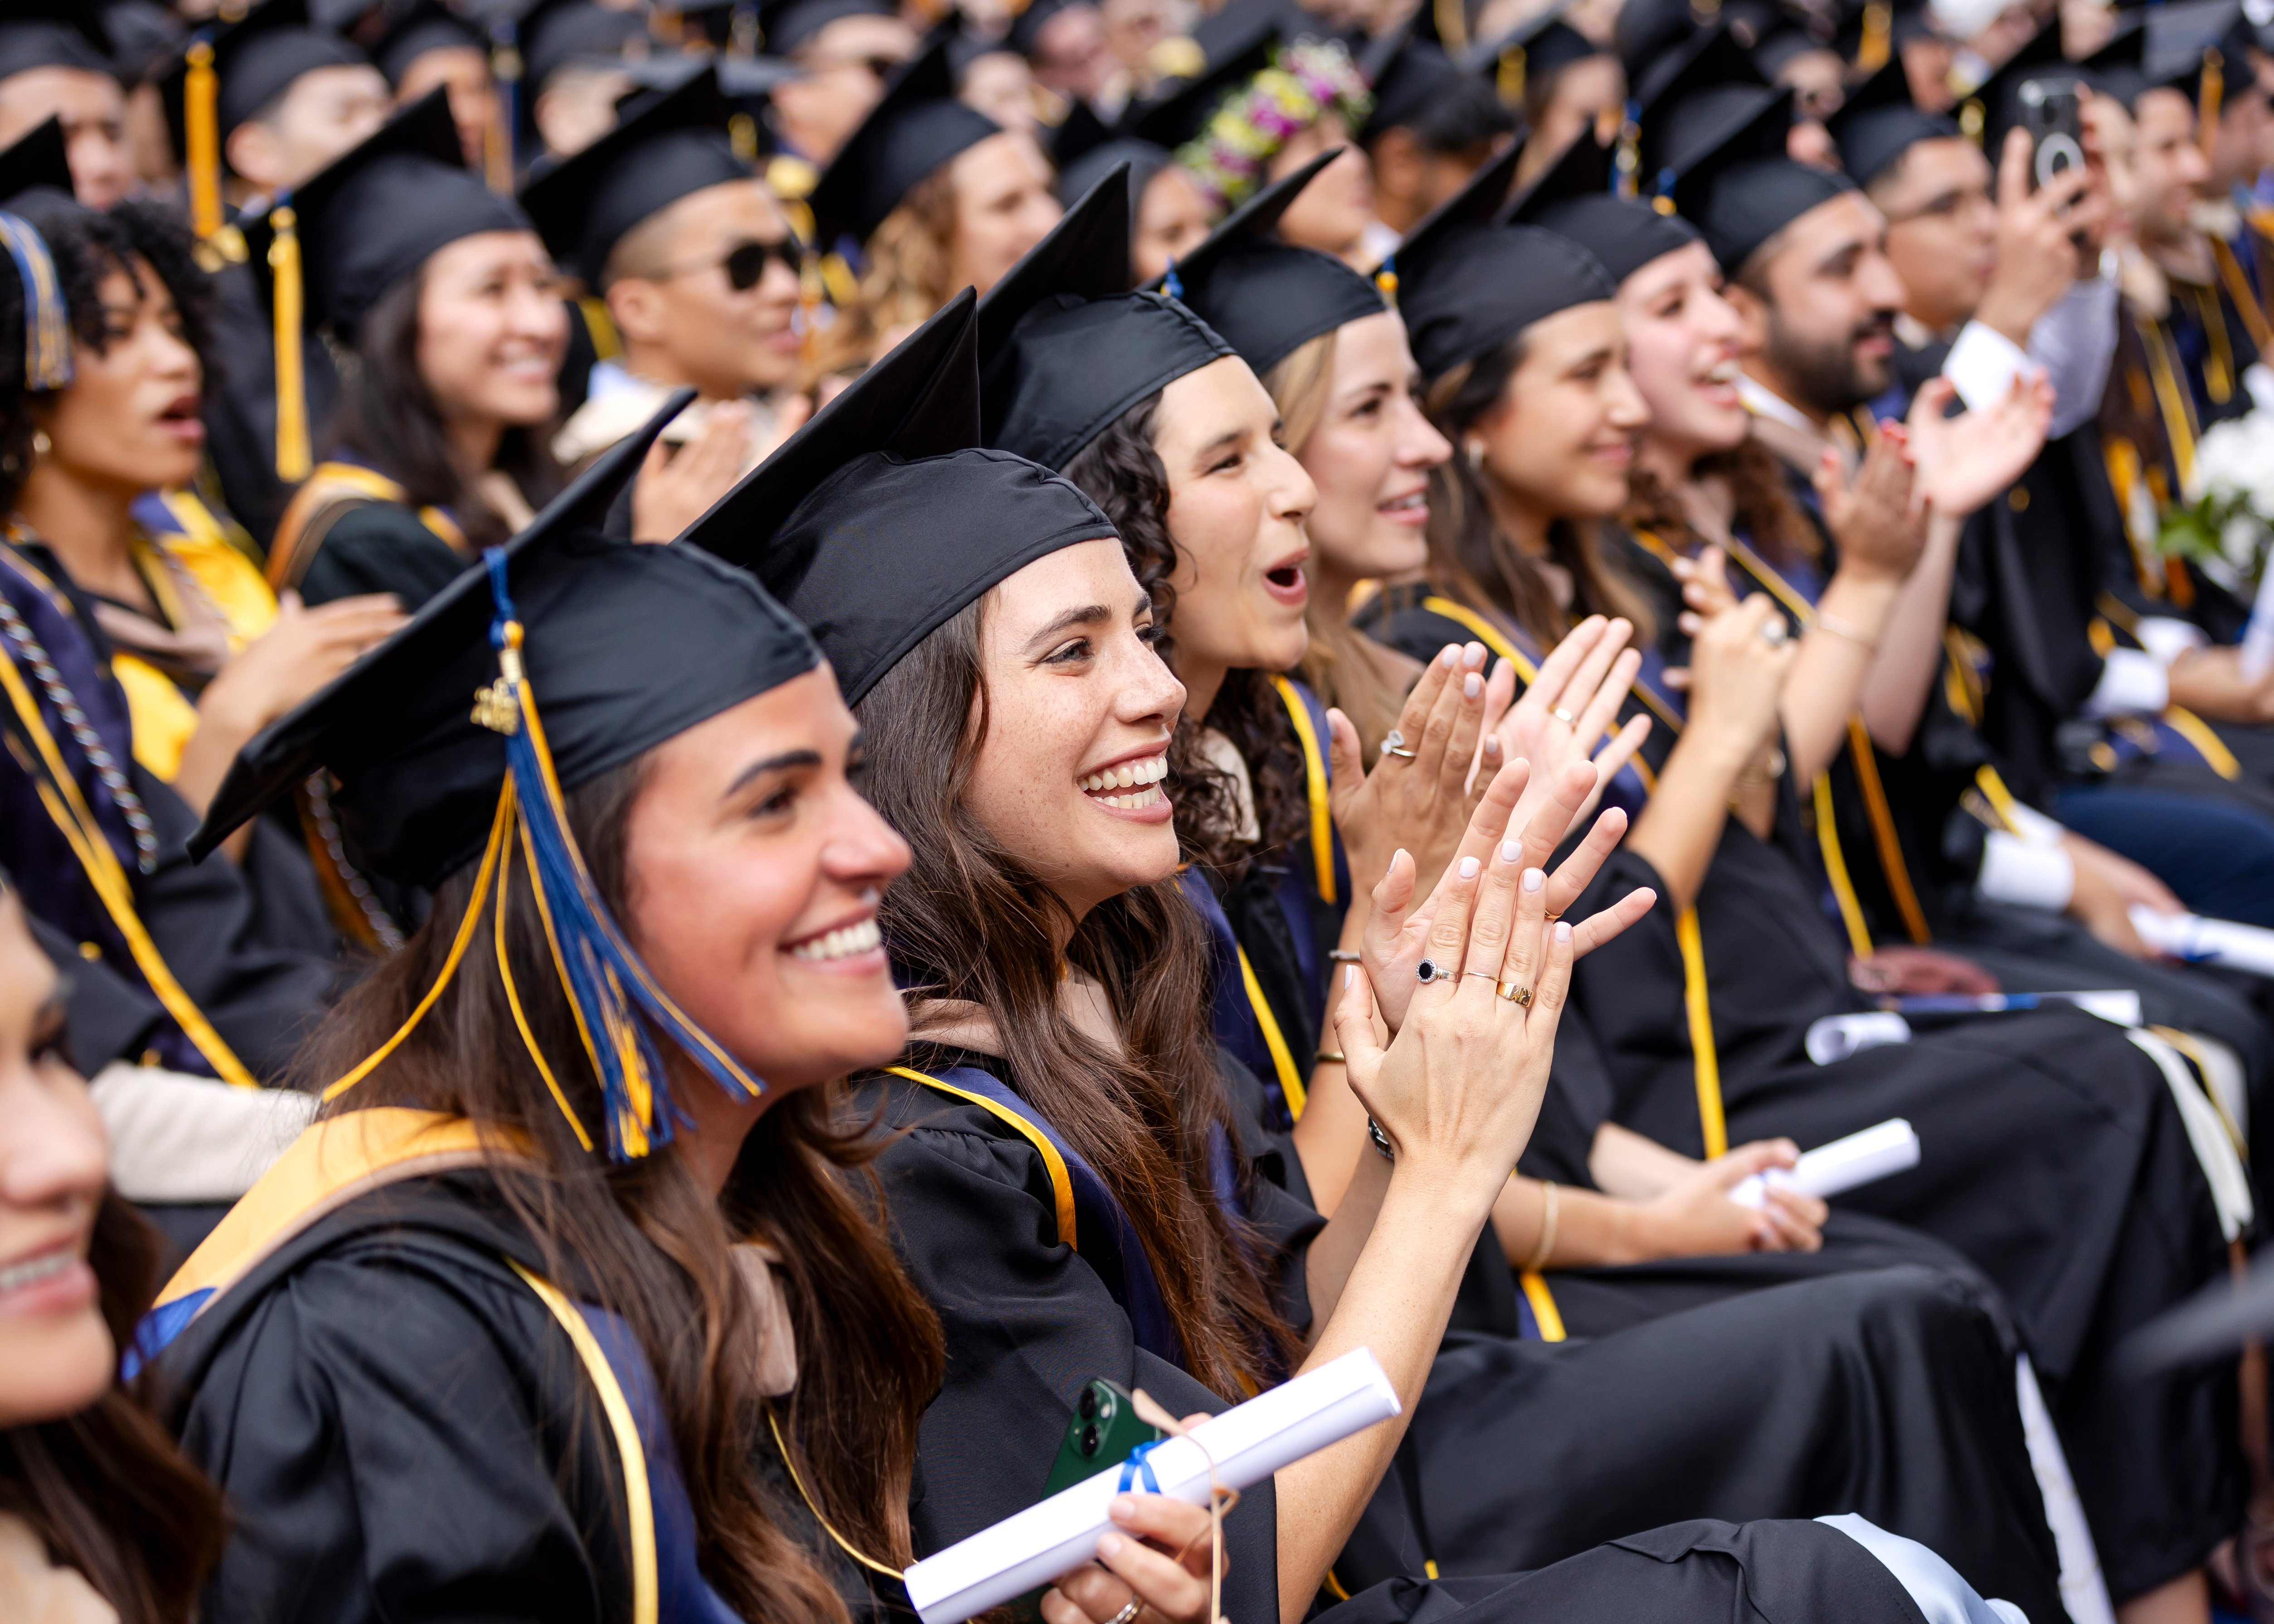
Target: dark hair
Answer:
[[1461, 119], [1772, 521], [105, 1490], [655, 1247], [1468, 553], [1123, 475], [88, 246], [970, 921], [386, 415]]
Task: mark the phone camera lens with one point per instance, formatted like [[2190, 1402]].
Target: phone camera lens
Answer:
[[1090, 1438], [1088, 1403]]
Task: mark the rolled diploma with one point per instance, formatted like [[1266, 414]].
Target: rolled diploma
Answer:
[[2219, 941], [2257, 655], [1248, 1442], [1843, 1164]]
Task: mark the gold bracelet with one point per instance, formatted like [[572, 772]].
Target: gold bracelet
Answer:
[[1330, 1056], [1839, 628], [1548, 1211]]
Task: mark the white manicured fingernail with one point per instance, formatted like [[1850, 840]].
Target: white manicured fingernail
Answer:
[[1510, 851], [1474, 656], [1492, 744], [1472, 685], [1350, 975], [1447, 655], [1468, 868], [1562, 931], [1534, 879]]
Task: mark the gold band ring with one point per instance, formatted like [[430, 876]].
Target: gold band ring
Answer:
[[1515, 994]]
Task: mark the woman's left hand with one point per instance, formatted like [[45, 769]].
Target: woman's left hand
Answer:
[[1421, 803], [1161, 1562], [1964, 462]]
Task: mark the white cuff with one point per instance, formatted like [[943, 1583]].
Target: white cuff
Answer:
[[2132, 682], [2025, 874], [179, 1139], [1983, 363], [2167, 639], [2034, 827], [2259, 380]]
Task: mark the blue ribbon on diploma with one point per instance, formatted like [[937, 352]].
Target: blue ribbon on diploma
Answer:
[[1137, 1471]]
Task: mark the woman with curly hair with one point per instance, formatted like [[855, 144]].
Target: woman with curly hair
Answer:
[[102, 1522]]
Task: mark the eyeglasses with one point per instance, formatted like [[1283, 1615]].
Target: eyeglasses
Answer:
[[745, 263]]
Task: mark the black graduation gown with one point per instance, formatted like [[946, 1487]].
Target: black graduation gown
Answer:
[[1865, 1359], [404, 1432], [382, 547], [2054, 1158]]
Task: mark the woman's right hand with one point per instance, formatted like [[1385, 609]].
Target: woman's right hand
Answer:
[[300, 652], [1696, 1219], [1735, 677], [1586, 678]]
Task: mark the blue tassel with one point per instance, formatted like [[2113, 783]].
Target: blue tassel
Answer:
[[609, 986], [1170, 284], [47, 322]]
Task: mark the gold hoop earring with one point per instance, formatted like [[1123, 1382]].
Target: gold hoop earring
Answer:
[[41, 445]]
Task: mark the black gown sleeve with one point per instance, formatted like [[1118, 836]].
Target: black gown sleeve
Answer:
[[107, 1018], [381, 547], [1027, 1324], [397, 1429]]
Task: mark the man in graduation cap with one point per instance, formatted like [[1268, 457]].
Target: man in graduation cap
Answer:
[[1558, 80], [56, 62], [573, 73], [425, 45], [662, 219], [848, 49]]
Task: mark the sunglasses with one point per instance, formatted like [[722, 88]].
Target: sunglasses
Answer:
[[745, 263]]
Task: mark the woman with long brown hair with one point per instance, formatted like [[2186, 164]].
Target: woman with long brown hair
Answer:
[[566, 1305], [1077, 1186], [102, 1522]]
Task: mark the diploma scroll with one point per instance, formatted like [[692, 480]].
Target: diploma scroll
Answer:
[[1248, 1442], [2207, 940], [1843, 1164]]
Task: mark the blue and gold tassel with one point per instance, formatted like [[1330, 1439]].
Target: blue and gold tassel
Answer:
[[47, 322]]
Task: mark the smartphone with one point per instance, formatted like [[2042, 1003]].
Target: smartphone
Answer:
[[2050, 112], [1103, 1431]]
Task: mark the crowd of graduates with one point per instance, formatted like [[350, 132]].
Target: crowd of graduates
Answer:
[[741, 738]]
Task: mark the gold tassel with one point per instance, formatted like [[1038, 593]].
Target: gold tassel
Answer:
[[497, 148], [292, 459], [2213, 89], [201, 136], [1876, 44], [1511, 82], [1452, 26]]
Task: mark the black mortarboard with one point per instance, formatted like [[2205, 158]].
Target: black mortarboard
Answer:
[[552, 34], [1025, 33], [39, 161], [2120, 68], [1175, 115], [786, 27], [54, 33], [1743, 191], [1995, 107], [625, 647], [1143, 160], [1871, 31], [1466, 285], [1650, 32], [1574, 200], [1879, 123], [1536, 49], [1693, 98], [1064, 351], [255, 59], [2202, 49], [374, 216], [918, 126], [672, 147], [1264, 297], [882, 519], [1405, 74], [428, 25], [144, 36]]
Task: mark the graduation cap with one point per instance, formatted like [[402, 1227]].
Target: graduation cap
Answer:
[[674, 146], [1266, 298], [1873, 31], [784, 28], [1064, 349], [2214, 1323], [1879, 123], [918, 126], [2120, 68], [1995, 106], [1175, 115], [564, 655], [1466, 285], [1743, 191], [143, 37], [1406, 73], [424, 27], [1142, 159], [881, 519], [228, 73], [1536, 49], [1693, 99], [35, 173], [1648, 32], [54, 33], [326, 252], [1574, 198], [1026, 33], [550, 34]]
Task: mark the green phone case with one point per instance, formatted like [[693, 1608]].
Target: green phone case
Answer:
[[1103, 1431]]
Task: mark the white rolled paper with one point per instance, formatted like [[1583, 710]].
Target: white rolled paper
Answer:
[[1834, 1037], [1248, 1442], [1843, 1164], [2212, 941]]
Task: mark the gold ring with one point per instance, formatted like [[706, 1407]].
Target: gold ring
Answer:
[[1564, 717], [1135, 1607], [1518, 996]]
